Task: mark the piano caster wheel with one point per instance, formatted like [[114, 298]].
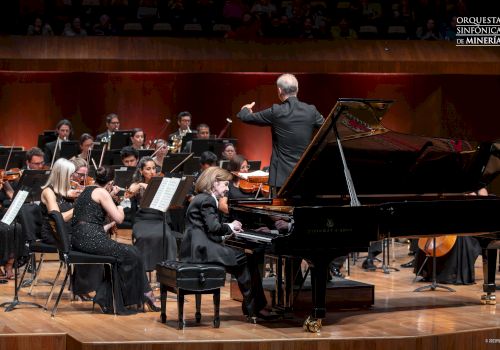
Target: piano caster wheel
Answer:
[[312, 325], [488, 299]]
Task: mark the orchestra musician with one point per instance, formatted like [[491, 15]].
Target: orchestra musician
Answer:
[[147, 231], [129, 156], [130, 281], [137, 138], [292, 123], [58, 195], [64, 130], [8, 242], [184, 123], [34, 159], [161, 150], [204, 236], [202, 132], [228, 151], [86, 142], [112, 125]]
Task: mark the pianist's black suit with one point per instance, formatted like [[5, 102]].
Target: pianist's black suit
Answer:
[[292, 123], [203, 243]]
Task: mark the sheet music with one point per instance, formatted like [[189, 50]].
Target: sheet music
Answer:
[[165, 193], [14, 208]]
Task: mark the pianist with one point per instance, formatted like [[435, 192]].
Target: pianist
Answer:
[[204, 237]]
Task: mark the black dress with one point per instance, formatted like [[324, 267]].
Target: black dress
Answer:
[[130, 280], [85, 278], [147, 233], [456, 267], [203, 243]]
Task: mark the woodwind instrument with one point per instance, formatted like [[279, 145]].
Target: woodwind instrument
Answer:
[[223, 131]]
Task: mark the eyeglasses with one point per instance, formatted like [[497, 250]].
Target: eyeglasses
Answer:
[[80, 174], [37, 163], [114, 122]]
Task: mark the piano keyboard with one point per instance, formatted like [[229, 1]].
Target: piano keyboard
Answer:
[[257, 236]]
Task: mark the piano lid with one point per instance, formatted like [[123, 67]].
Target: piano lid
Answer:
[[380, 160]]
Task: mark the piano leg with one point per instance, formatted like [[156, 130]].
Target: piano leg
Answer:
[[319, 274], [489, 271]]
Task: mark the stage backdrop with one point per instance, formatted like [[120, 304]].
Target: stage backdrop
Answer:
[[438, 105]]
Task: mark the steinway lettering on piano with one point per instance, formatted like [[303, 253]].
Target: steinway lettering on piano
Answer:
[[398, 185]]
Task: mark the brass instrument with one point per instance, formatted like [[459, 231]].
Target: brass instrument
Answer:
[[176, 145]]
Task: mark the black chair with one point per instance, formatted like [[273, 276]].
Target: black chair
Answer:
[[68, 258], [30, 218]]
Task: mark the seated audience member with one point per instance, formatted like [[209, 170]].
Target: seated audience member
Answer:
[[38, 28]]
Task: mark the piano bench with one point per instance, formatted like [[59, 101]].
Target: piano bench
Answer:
[[186, 278]]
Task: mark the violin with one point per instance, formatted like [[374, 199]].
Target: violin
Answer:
[[443, 245], [10, 175], [254, 184]]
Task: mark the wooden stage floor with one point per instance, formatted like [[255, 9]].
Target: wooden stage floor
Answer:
[[400, 319]]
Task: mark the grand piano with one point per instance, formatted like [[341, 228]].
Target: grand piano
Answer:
[[359, 182]]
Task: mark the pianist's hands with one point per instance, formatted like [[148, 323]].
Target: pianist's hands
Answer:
[[282, 225], [236, 226]]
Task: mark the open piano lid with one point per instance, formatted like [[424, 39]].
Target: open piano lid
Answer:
[[382, 161]]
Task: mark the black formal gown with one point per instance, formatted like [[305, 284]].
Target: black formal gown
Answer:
[[456, 267], [203, 243], [130, 280], [85, 279], [147, 234]]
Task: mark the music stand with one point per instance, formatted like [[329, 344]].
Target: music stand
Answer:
[[17, 159], [216, 146], [254, 164], [46, 137], [164, 193], [123, 176], [224, 164], [188, 137], [434, 285], [33, 180], [172, 161], [7, 219], [120, 139], [6, 149], [69, 149], [145, 153]]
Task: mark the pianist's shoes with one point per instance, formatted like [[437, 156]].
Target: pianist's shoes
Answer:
[[368, 265]]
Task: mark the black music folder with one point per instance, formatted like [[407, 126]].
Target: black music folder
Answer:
[[120, 139], [69, 149], [17, 159], [32, 181], [123, 176], [213, 145]]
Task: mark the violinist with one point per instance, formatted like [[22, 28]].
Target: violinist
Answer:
[[138, 138], [236, 165], [52, 149], [161, 150], [7, 240], [86, 142], [35, 159], [112, 125], [129, 156], [147, 231], [58, 195]]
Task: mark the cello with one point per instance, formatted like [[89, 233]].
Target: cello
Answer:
[[444, 244]]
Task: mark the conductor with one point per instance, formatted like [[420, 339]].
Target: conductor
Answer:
[[292, 124]]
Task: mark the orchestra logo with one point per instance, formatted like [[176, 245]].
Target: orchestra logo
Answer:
[[478, 31]]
